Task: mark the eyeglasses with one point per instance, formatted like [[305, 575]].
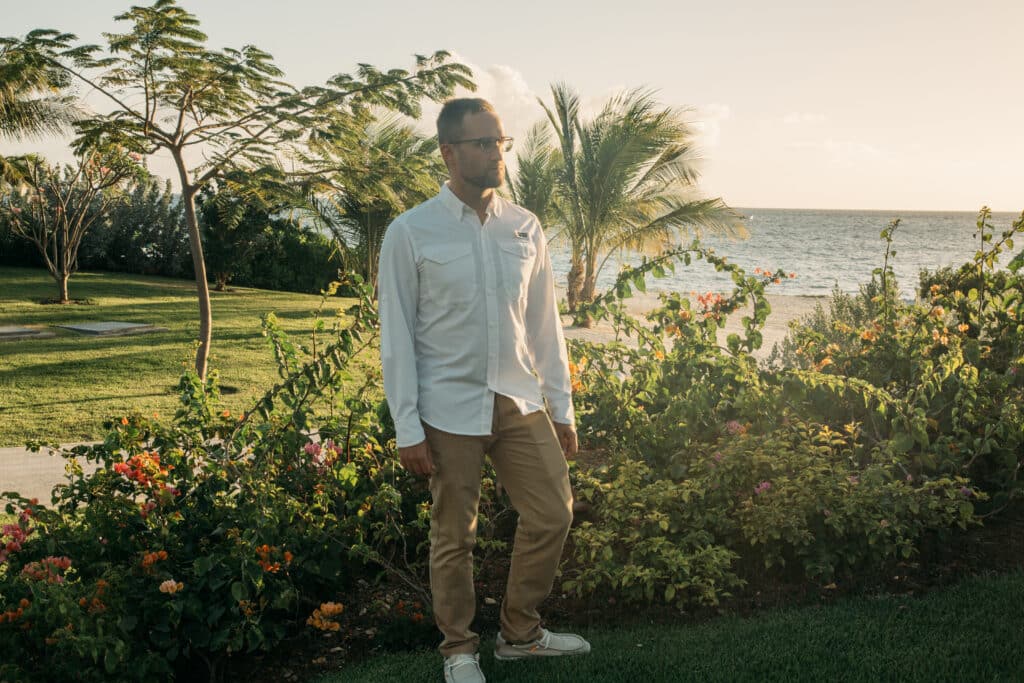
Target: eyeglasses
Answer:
[[487, 144]]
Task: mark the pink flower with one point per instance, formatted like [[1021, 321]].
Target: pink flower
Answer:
[[734, 427], [718, 456], [312, 448], [762, 487]]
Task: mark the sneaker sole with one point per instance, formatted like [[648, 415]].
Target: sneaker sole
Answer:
[[526, 655]]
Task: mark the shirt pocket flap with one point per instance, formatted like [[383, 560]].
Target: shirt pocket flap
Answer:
[[445, 253], [521, 249]]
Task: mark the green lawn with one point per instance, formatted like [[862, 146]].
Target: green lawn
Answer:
[[63, 388], [970, 632]]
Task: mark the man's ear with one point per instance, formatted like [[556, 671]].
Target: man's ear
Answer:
[[446, 153]]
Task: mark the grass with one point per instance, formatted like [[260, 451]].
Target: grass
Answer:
[[64, 388], [970, 632]]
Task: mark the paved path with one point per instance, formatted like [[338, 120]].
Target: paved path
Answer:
[[33, 475]]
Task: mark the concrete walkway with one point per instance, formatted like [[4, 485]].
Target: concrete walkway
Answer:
[[33, 475]]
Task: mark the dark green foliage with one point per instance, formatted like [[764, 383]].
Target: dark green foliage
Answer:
[[145, 234]]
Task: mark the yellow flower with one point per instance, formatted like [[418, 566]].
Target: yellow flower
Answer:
[[660, 355], [963, 327]]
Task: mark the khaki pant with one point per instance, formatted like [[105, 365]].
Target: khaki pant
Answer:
[[528, 460]]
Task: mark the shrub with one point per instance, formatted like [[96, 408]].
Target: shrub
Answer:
[[890, 421], [213, 534]]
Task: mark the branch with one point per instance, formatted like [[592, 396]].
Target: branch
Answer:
[[146, 121]]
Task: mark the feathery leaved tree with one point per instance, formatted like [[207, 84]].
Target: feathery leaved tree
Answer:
[[171, 92], [627, 180]]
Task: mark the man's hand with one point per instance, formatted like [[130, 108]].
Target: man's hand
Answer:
[[417, 459], [567, 438]]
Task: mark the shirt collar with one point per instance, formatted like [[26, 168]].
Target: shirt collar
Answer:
[[459, 209]]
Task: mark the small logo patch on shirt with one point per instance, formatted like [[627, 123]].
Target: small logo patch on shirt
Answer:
[[522, 235]]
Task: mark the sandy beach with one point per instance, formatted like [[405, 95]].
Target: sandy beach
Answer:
[[784, 309]]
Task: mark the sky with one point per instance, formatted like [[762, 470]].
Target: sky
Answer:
[[889, 105]]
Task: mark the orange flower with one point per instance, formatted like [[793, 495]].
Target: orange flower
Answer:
[[963, 327], [226, 413], [124, 421]]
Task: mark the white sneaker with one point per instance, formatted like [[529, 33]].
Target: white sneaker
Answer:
[[548, 645], [463, 669]]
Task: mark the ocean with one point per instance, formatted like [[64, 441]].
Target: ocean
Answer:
[[825, 248]]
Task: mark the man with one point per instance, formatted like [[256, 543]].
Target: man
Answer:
[[471, 344]]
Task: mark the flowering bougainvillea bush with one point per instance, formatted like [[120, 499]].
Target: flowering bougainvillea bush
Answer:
[[874, 428], [213, 534]]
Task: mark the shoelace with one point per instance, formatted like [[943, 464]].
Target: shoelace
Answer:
[[545, 640], [455, 665]]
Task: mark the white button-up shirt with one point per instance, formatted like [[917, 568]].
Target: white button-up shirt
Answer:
[[468, 310]]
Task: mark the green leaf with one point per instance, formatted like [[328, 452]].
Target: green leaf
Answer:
[[902, 442], [237, 591], [110, 661], [202, 565], [670, 592]]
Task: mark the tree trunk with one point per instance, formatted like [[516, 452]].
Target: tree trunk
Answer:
[[62, 287], [574, 281], [188, 197], [588, 291]]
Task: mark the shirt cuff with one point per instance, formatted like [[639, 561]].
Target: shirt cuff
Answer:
[[409, 432], [562, 411]]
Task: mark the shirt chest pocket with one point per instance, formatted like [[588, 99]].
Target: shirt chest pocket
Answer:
[[517, 257], [448, 273]]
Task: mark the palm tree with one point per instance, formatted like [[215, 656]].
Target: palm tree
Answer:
[[31, 105], [533, 186], [628, 180], [385, 169], [564, 118]]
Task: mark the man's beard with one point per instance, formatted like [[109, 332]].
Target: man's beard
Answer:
[[491, 179]]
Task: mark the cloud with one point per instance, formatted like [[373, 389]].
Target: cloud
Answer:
[[707, 123], [799, 118], [502, 86]]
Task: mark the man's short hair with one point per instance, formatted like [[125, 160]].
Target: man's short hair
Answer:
[[449, 121]]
